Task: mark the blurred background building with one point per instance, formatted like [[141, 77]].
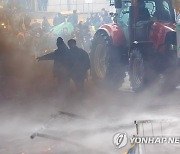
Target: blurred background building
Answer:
[[83, 6]]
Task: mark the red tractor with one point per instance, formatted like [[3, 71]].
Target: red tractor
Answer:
[[142, 37]]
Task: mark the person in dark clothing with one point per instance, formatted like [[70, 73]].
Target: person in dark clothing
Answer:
[[21, 21], [36, 27], [88, 22], [74, 19], [143, 13], [105, 17], [79, 33], [58, 19], [45, 25], [61, 69], [80, 64], [27, 22], [80, 25], [95, 20]]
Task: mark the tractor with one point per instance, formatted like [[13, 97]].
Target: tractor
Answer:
[[141, 41]]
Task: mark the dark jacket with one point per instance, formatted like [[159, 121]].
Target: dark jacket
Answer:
[[45, 25], [80, 63], [73, 19], [61, 59], [58, 20]]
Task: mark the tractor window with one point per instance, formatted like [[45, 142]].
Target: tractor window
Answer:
[[123, 14], [123, 18], [163, 12], [166, 6], [151, 6]]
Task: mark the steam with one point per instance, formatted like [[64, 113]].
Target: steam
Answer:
[[30, 96]]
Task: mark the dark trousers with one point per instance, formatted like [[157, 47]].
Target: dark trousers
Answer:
[[79, 83], [63, 84]]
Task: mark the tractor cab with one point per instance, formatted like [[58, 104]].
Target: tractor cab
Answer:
[[136, 17], [143, 37]]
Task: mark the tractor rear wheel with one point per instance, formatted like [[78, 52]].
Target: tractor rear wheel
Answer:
[[141, 73], [106, 66]]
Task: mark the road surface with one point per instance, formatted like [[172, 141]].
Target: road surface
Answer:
[[87, 125]]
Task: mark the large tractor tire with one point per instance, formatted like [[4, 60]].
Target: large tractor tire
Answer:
[[141, 72], [107, 69]]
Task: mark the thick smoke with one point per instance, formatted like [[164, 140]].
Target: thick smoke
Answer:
[[20, 72], [29, 97]]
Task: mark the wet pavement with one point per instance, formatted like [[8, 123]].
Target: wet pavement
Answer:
[[87, 125]]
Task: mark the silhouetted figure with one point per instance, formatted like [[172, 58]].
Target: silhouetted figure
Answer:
[[80, 64], [27, 22], [95, 20], [58, 19], [73, 19], [45, 25], [36, 27], [105, 17], [61, 69], [83, 35], [21, 21], [88, 22]]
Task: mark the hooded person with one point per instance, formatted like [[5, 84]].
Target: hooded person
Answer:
[[73, 19], [61, 68], [45, 25]]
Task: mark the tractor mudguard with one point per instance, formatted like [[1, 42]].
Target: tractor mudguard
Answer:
[[160, 32], [114, 32]]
